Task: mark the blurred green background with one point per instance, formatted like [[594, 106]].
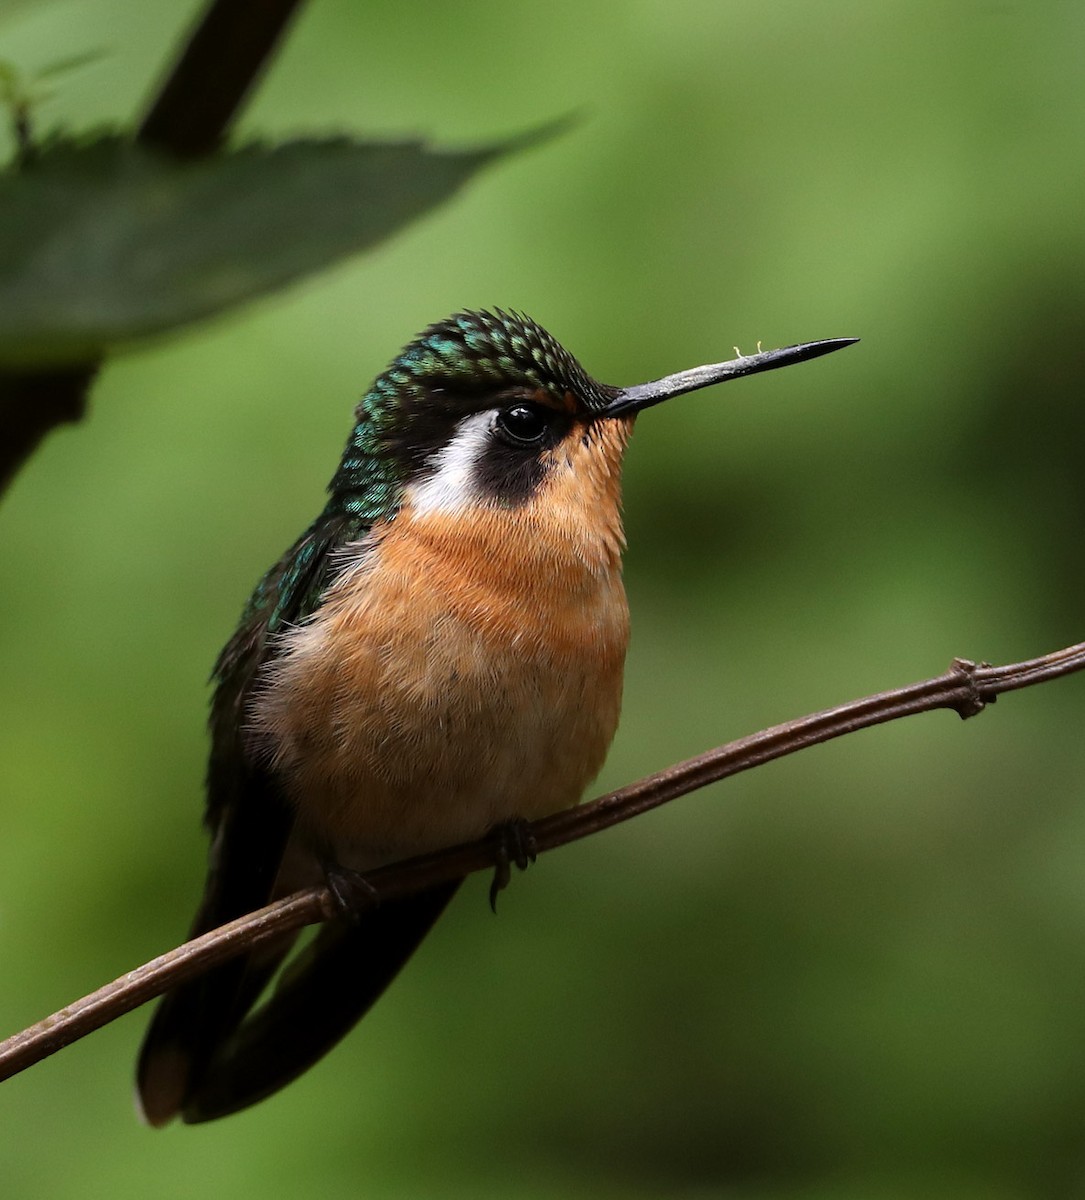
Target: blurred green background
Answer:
[[856, 973]]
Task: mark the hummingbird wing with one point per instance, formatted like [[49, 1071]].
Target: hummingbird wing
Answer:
[[250, 821]]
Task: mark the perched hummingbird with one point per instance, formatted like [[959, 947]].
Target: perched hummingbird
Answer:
[[438, 655]]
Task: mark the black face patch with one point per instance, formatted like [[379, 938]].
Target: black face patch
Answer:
[[514, 462]]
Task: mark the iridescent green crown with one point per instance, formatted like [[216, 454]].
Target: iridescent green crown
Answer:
[[472, 351]]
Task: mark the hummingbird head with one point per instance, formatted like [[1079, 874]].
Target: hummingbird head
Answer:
[[487, 409]]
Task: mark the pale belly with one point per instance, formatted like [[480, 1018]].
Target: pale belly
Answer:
[[422, 707]]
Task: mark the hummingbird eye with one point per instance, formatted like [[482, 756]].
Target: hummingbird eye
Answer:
[[522, 424]]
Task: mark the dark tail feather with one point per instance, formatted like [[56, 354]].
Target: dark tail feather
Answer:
[[194, 1019], [318, 1000], [191, 1021]]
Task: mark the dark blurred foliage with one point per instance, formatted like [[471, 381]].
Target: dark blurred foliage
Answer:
[[857, 973]]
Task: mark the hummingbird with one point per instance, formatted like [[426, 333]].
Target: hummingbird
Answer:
[[439, 655]]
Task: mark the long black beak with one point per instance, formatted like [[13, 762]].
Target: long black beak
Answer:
[[644, 395]]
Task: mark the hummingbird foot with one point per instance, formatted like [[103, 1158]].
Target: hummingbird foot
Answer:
[[353, 894], [514, 843]]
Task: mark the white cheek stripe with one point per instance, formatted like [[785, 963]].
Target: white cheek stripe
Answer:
[[451, 487]]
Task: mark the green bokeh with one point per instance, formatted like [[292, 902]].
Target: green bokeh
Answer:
[[857, 973]]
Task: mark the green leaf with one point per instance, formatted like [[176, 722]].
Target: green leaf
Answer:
[[105, 242]]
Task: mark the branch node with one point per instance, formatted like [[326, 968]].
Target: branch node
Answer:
[[330, 908], [973, 701]]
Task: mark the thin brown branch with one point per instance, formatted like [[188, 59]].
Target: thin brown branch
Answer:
[[966, 687], [202, 92], [155, 977]]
